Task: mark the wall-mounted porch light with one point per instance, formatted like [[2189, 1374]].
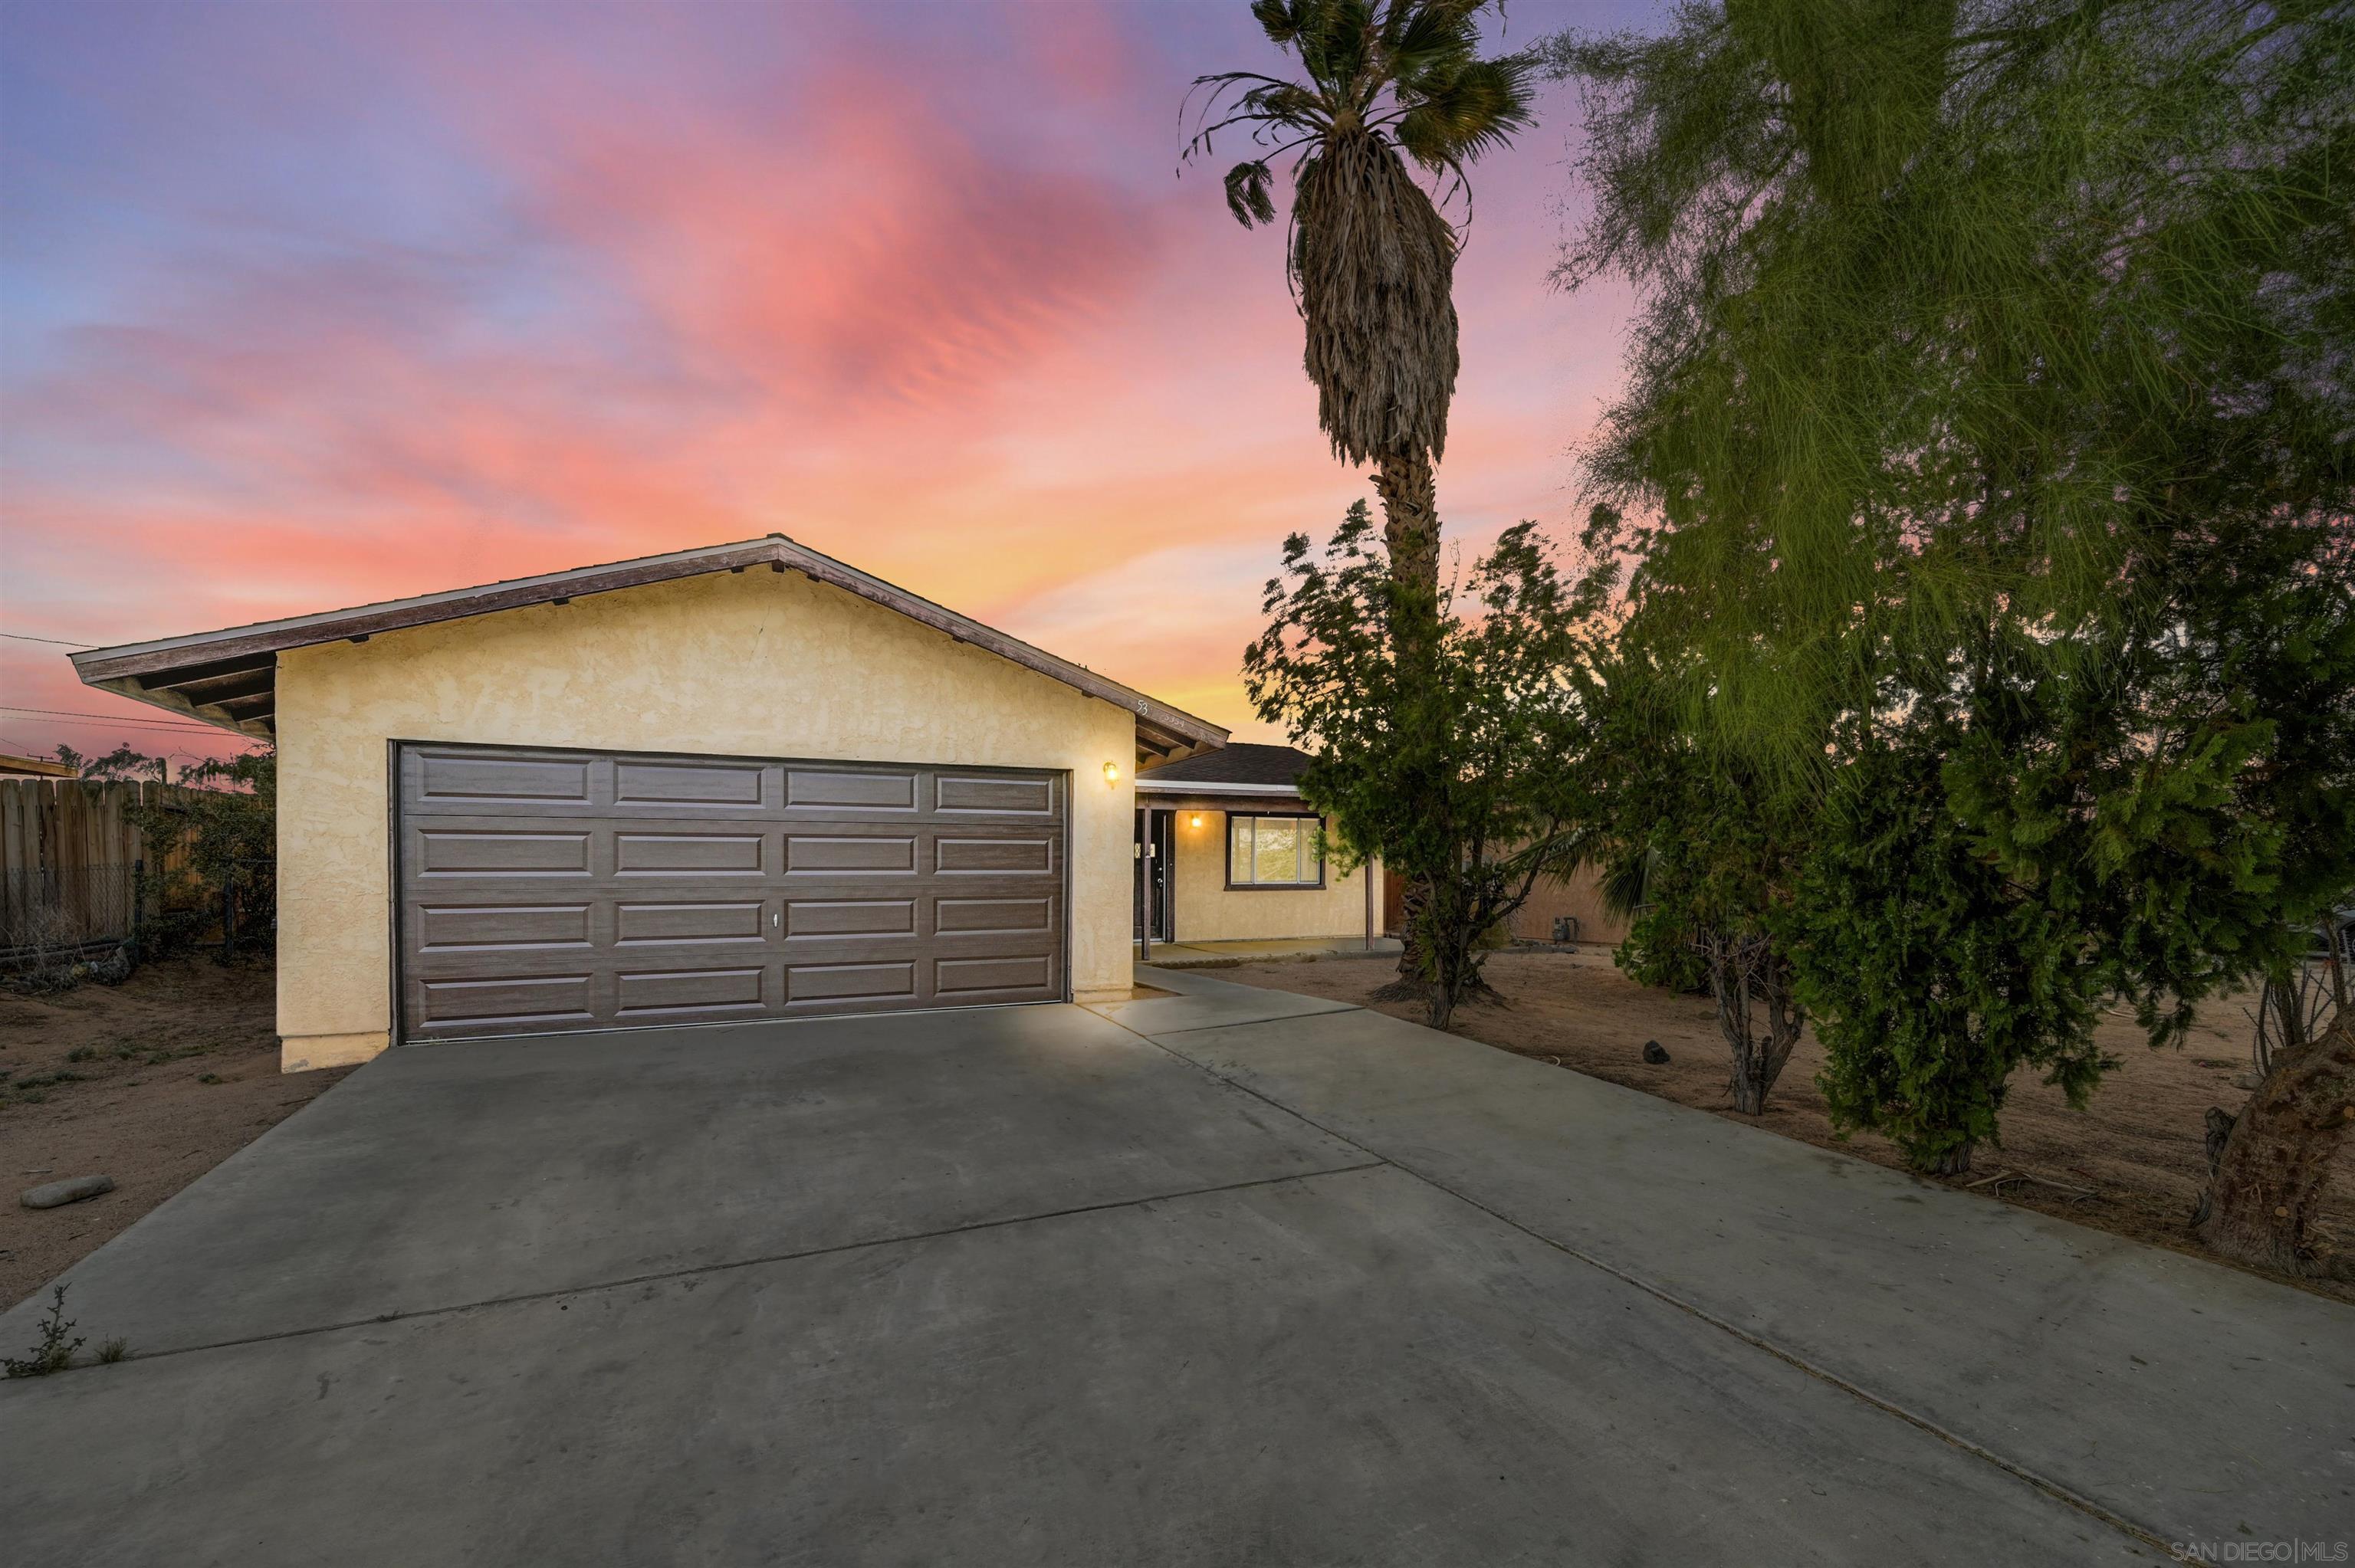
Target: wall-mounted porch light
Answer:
[[1195, 821], [1112, 774]]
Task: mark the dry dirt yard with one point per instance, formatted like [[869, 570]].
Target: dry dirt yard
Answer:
[[2136, 1151], [153, 1081]]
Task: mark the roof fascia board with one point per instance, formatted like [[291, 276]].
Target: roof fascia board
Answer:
[[1150, 785], [118, 668], [393, 615]]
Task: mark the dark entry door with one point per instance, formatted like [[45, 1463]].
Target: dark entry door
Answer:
[[1156, 872], [547, 890]]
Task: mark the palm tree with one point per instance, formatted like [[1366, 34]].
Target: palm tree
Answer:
[[1371, 257], [1371, 261]]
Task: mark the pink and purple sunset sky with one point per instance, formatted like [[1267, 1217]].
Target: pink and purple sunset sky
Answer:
[[305, 305]]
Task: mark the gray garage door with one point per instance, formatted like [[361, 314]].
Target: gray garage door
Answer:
[[555, 890]]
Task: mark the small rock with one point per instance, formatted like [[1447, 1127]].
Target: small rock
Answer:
[[2249, 1080], [1656, 1054], [72, 1190]]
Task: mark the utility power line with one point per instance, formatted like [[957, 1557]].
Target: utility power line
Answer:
[[107, 719]]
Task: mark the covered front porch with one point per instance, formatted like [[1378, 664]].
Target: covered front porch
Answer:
[[1217, 955], [1231, 864]]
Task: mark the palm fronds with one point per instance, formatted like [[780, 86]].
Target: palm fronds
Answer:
[[1390, 89]]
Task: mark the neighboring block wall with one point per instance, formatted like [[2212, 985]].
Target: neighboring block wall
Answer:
[[1579, 894], [762, 664], [1207, 911]]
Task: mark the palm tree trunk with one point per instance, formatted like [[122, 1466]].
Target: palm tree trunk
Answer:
[[1408, 490], [2271, 1167]]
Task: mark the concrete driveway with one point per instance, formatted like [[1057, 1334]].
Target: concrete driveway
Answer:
[[1231, 1276]]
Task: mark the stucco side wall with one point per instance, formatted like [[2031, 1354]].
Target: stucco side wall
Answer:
[[762, 664], [1208, 911], [1580, 894]]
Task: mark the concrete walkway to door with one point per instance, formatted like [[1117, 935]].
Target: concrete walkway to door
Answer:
[[1229, 1276], [1211, 955]]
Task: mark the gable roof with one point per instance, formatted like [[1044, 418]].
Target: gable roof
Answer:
[[1254, 767], [229, 677]]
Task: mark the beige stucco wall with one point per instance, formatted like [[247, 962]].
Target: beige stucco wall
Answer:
[[1579, 894], [764, 663], [1208, 911]]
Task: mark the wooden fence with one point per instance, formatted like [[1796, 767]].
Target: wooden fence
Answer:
[[68, 849]]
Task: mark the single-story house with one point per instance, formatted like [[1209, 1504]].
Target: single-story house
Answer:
[[1227, 851], [737, 783]]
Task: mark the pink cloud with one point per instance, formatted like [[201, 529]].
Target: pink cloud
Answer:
[[844, 298]]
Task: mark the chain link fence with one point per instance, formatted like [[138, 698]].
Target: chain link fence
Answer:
[[57, 924], [49, 915]]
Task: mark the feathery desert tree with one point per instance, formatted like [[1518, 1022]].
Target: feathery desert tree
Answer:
[[1986, 324]]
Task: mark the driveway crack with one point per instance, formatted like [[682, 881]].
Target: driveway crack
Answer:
[[692, 1270]]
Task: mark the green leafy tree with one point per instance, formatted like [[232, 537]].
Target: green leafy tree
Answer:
[[1703, 873], [123, 763], [1700, 850], [231, 821], [1932, 977], [1971, 335], [223, 827], [2263, 646], [1476, 815], [2024, 827]]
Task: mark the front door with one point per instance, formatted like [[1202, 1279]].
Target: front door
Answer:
[[1155, 843]]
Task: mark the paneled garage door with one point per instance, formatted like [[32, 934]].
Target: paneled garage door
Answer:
[[557, 890]]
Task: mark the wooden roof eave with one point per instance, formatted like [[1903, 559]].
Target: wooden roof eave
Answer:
[[257, 719]]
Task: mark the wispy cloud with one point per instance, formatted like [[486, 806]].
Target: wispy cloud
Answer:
[[302, 307]]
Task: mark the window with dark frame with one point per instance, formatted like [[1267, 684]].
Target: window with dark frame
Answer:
[[1274, 851]]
